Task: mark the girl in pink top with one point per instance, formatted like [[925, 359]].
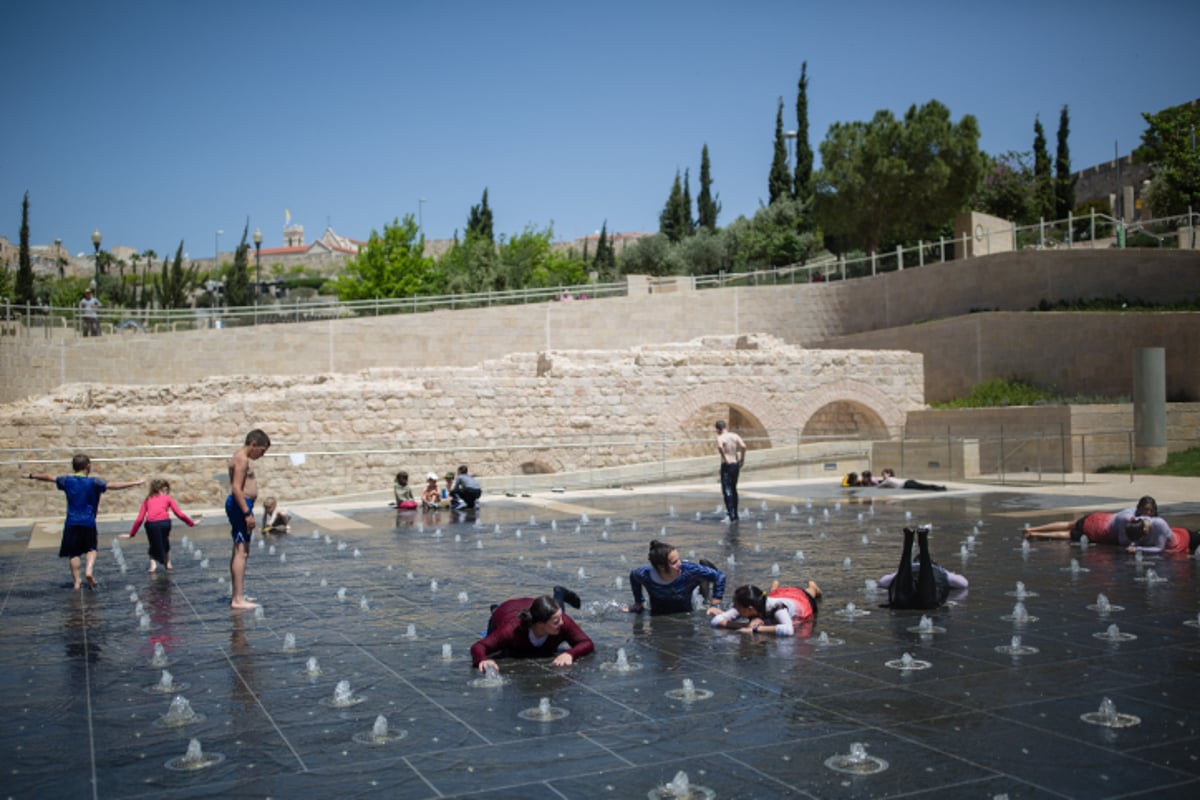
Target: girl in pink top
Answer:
[[156, 513]]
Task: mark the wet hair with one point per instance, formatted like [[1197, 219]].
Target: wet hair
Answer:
[[720, 424], [888, 472], [258, 437], [865, 479], [462, 469], [1147, 506], [402, 478], [157, 486], [851, 479], [750, 596], [660, 554], [80, 462], [1135, 529], [540, 610]]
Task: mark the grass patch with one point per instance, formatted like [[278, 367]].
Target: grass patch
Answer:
[[1004, 392], [1184, 464]]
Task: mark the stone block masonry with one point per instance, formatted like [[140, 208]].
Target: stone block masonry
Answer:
[[524, 413]]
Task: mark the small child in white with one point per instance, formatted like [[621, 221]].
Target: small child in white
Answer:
[[275, 519]]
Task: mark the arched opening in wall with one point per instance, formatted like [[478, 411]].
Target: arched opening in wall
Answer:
[[740, 421], [535, 468], [846, 419]]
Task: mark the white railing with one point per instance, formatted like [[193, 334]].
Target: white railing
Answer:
[[1090, 232]]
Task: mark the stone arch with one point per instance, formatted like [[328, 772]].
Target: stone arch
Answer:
[[753, 415], [850, 407], [536, 462], [845, 418]]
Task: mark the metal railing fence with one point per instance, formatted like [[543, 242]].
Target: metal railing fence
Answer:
[[1092, 231]]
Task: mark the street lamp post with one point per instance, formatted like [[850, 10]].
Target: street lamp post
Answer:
[[257, 268], [789, 138], [96, 237]]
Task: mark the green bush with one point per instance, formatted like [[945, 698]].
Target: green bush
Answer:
[[999, 392]]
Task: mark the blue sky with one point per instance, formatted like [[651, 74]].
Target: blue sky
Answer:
[[161, 121]]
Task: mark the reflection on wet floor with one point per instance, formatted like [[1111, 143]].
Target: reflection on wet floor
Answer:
[[355, 677]]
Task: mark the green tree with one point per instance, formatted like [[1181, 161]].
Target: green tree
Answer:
[[1006, 189], [672, 222], [1043, 183], [1169, 147], [706, 253], [1064, 184], [468, 266], [391, 265], [802, 183], [606, 256], [528, 260], [479, 221], [652, 255], [892, 180], [775, 237], [707, 207], [779, 183], [23, 290], [175, 285], [686, 222], [238, 291], [145, 296]]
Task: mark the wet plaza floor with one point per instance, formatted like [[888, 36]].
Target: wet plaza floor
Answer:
[[82, 701]]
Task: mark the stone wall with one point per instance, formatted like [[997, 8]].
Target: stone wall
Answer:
[[810, 315], [1079, 353], [1053, 439], [549, 411]]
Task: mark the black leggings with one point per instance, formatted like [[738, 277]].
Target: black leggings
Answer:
[[903, 592]]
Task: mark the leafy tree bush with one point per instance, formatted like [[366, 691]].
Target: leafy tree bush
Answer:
[[1000, 392], [1006, 189], [896, 180], [652, 255], [391, 265]]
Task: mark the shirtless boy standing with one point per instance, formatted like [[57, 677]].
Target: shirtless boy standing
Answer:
[[239, 507], [732, 451]]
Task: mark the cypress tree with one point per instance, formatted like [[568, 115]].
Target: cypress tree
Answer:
[[1043, 184], [668, 220], [802, 184], [707, 208], [479, 222], [1064, 184], [23, 290], [685, 221], [237, 280], [606, 255], [779, 183]]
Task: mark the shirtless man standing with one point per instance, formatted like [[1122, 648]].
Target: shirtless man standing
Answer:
[[239, 507], [732, 450]]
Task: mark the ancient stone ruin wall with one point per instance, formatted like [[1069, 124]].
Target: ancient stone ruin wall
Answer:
[[524, 413]]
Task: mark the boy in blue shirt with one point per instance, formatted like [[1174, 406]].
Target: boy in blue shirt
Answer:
[[79, 537]]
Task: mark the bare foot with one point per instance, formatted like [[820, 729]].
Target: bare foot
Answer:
[[77, 586], [169, 567], [91, 582], [244, 603], [153, 567]]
